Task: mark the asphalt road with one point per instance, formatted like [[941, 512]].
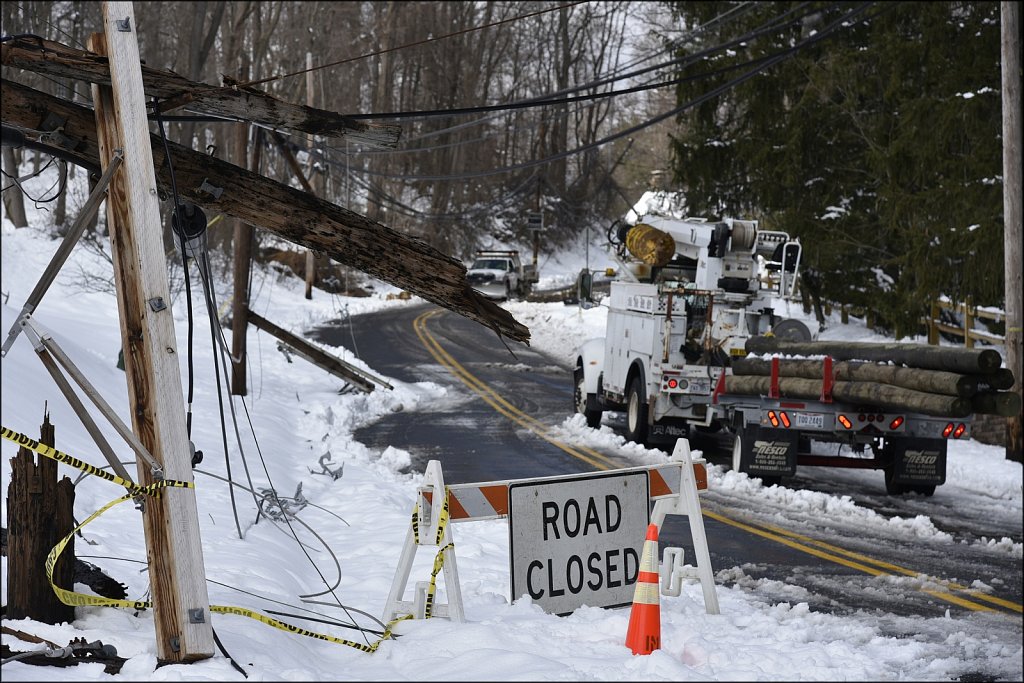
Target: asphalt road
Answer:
[[779, 553]]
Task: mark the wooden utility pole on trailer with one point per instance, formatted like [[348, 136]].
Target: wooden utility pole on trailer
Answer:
[[180, 601], [1013, 232]]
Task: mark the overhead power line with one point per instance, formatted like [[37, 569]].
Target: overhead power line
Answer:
[[408, 45], [825, 32]]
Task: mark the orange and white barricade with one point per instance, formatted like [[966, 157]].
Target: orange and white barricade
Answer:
[[673, 486]]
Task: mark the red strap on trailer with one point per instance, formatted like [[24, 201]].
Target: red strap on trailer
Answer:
[[719, 387], [773, 389], [828, 381]]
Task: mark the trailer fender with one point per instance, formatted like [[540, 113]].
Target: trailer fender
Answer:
[[591, 359]]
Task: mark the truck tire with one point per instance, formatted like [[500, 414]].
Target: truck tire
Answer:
[[582, 399], [891, 487], [636, 411], [737, 451]]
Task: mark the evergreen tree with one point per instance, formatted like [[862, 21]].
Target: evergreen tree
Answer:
[[879, 145]]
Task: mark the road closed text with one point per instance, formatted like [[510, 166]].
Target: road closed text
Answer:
[[577, 541], [610, 568]]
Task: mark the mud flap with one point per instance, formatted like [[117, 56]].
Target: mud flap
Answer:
[[768, 452], [918, 461]]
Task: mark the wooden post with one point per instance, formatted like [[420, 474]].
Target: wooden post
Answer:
[[242, 263], [180, 603], [310, 257], [39, 514], [968, 308], [1013, 233], [933, 330]]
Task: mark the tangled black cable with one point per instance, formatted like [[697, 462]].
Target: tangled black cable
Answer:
[[184, 265], [62, 181]]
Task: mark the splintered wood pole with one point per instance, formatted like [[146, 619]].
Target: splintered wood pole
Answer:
[[39, 514], [180, 602]]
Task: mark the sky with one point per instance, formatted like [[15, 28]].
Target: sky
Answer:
[[353, 527]]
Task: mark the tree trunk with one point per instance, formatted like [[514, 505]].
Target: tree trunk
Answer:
[[14, 200]]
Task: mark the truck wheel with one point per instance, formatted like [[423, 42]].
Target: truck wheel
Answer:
[[636, 412], [581, 399], [891, 487], [737, 451]]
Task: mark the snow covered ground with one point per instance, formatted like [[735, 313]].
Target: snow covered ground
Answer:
[[353, 527]]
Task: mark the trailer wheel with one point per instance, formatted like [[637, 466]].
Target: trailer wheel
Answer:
[[582, 400], [891, 487], [636, 412], [737, 451]]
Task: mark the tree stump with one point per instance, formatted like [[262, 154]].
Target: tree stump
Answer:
[[39, 514]]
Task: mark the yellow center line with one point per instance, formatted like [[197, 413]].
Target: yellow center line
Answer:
[[895, 568], [492, 398], [805, 544]]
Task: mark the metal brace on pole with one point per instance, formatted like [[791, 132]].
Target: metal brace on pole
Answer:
[[92, 204], [49, 350]]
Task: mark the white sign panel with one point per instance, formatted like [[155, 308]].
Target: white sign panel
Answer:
[[578, 541]]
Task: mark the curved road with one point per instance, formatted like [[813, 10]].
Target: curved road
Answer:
[[494, 428]]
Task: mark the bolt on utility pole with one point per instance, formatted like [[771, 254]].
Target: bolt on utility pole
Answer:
[[1013, 233], [180, 602]]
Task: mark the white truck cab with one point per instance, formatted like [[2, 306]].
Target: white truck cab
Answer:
[[500, 274]]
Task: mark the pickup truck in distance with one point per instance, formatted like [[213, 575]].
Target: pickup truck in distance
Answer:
[[500, 274]]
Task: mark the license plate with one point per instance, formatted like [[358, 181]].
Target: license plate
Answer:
[[700, 386], [815, 420]]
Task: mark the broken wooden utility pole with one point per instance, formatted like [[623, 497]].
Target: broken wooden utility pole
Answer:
[[217, 186], [40, 512], [361, 380], [177, 92], [180, 601]]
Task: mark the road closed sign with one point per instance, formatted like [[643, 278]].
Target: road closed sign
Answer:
[[577, 541]]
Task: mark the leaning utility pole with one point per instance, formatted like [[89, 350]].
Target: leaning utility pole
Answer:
[[1013, 233], [180, 602]]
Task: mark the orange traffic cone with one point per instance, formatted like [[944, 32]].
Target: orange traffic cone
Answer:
[[644, 633]]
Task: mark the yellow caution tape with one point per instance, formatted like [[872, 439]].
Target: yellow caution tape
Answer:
[[416, 523], [81, 599], [54, 454], [262, 618], [442, 525], [438, 564]]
